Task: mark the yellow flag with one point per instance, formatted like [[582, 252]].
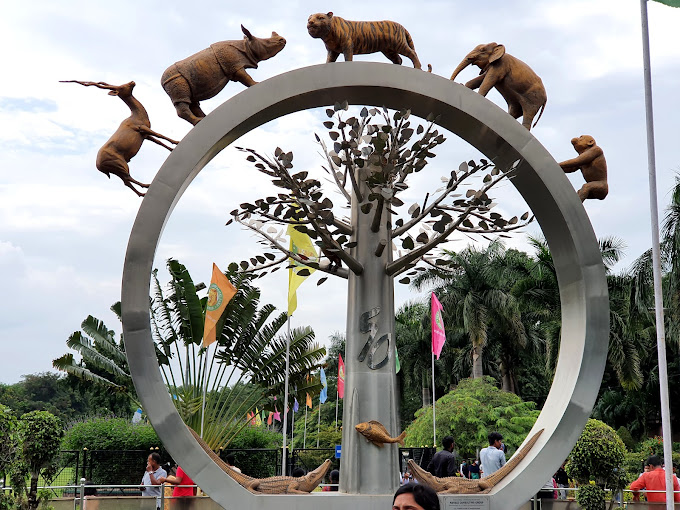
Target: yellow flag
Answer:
[[219, 294], [300, 244]]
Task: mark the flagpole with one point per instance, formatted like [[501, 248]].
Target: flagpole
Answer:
[[205, 387], [318, 426], [292, 429], [337, 398], [285, 403], [656, 262], [304, 438], [434, 417]]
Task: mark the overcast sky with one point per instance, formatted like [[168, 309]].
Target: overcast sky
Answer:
[[64, 227]]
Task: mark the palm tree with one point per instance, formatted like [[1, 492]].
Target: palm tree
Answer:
[[245, 371], [414, 346], [103, 360], [474, 297]]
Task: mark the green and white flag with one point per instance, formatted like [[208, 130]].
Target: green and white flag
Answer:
[[670, 3]]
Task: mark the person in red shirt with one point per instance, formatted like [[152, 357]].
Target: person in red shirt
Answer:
[[180, 478], [654, 480]]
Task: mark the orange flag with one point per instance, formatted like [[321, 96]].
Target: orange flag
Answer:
[[219, 294]]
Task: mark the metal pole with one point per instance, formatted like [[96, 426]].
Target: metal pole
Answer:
[[162, 507], [292, 428], [318, 426], [82, 494], [285, 403], [656, 262], [304, 437], [434, 418], [337, 398], [205, 387]]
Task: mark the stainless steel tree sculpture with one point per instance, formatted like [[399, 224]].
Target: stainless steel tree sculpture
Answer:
[[369, 159]]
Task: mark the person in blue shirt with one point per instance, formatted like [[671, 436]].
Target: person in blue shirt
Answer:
[[493, 456]]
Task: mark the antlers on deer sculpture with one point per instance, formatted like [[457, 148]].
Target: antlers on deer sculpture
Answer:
[[116, 153]]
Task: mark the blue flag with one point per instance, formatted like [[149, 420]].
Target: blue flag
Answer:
[[296, 406], [323, 396]]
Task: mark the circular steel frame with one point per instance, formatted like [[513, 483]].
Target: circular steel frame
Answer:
[[567, 229]]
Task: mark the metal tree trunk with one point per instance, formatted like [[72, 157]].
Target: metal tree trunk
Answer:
[[371, 383]]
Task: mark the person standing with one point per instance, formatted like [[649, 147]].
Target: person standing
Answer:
[[492, 457], [474, 471], [444, 462], [654, 479], [151, 485], [562, 481]]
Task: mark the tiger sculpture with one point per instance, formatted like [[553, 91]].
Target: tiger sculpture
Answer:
[[360, 37]]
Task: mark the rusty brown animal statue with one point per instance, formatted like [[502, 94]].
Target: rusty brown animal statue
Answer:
[[204, 74], [519, 85], [593, 166], [116, 153], [351, 38]]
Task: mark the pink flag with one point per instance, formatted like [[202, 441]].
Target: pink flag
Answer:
[[438, 333], [341, 377]]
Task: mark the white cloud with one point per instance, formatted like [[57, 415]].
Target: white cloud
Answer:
[[64, 226]]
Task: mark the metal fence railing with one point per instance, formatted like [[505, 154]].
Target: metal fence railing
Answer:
[[126, 467]]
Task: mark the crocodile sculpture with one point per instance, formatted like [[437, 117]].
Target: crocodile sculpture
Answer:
[[274, 484], [458, 485]]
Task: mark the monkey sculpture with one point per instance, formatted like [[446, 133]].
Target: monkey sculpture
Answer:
[[593, 166]]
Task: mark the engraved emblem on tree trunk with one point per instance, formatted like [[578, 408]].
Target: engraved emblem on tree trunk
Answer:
[[366, 325]]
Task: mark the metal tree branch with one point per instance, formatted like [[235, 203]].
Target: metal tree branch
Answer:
[[341, 272], [426, 210], [402, 262]]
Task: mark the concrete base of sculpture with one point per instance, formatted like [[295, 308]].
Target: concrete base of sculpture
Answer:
[[539, 179]]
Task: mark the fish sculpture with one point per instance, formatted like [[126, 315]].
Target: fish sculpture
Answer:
[[376, 433]]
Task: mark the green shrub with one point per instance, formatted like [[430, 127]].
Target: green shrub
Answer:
[[470, 412], [627, 438], [590, 497], [104, 438], [110, 434], [256, 437], [598, 456]]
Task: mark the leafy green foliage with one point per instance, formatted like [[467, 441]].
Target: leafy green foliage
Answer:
[[8, 438], [470, 412], [110, 434], [598, 456], [590, 497], [245, 371], [256, 437], [626, 437], [39, 434]]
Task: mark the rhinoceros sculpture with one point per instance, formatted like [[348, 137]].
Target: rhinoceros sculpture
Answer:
[[204, 74]]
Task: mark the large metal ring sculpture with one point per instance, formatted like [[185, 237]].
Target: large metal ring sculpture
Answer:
[[582, 283]]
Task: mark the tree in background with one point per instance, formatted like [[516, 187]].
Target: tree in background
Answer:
[[8, 451], [39, 435], [475, 294], [103, 362], [245, 371], [597, 457], [469, 412]]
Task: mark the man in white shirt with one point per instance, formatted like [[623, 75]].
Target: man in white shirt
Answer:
[[492, 457], [151, 486]]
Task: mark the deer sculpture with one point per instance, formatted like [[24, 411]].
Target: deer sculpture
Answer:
[[116, 153]]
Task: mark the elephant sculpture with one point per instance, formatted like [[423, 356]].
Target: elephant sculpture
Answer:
[[519, 85], [204, 74]]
